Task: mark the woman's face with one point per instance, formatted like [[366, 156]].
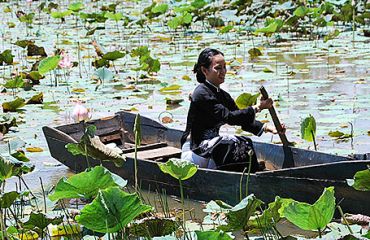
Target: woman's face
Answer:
[[216, 71]]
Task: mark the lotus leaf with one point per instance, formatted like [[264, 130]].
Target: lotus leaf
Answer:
[[36, 99], [267, 70], [308, 128], [34, 149], [48, 64], [214, 235], [153, 227], [254, 52], [226, 29], [111, 211], [6, 123], [9, 166], [271, 28], [269, 217], [104, 74], [13, 105], [34, 76], [114, 16], [16, 82], [112, 56], [173, 87], [7, 199], [76, 7], [86, 184], [310, 217], [179, 169], [245, 100], [238, 216], [61, 14], [39, 221], [198, 4], [27, 18], [301, 11], [331, 35], [34, 50], [361, 180], [6, 57], [19, 155], [160, 8]]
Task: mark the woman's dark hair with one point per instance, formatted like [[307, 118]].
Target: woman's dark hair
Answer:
[[204, 60]]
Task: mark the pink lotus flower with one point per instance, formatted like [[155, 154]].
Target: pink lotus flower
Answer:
[[80, 113], [66, 61], [28, 1]]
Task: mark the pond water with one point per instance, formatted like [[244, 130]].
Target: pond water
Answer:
[[327, 80]]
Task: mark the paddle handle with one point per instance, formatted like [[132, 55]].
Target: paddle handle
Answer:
[[275, 118]]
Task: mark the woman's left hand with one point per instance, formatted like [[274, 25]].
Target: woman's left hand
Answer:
[[271, 128]]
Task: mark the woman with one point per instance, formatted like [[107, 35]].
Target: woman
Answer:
[[210, 108]]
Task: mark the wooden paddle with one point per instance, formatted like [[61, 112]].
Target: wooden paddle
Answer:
[[275, 119], [288, 154]]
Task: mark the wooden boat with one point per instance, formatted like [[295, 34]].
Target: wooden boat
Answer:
[[304, 180]]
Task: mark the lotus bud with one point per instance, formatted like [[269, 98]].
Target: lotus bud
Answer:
[[80, 113], [66, 60]]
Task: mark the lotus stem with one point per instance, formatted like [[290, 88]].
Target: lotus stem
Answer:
[[344, 219], [240, 184], [135, 161], [182, 202], [319, 231], [2, 223], [250, 153], [43, 193], [314, 140]]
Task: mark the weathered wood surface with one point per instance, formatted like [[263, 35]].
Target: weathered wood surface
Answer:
[[157, 153], [305, 182]]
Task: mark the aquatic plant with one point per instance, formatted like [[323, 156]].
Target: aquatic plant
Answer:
[[308, 130], [310, 217], [361, 180]]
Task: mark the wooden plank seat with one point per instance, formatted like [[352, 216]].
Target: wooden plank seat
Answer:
[[161, 153]]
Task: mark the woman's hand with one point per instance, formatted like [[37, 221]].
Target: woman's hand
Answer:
[[265, 103], [271, 128]]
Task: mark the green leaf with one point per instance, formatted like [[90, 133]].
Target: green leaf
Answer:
[[61, 14], [104, 74], [226, 29], [27, 18], [254, 52], [23, 43], [137, 130], [6, 57], [361, 180], [179, 169], [39, 221], [311, 217], [7, 199], [114, 16], [301, 11], [75, 7], [331, 35], [16, 82], [153, 227], [19, 155], [160, 8], [113, 55], [238, 216], [308, 128], [271, 28], [48, 64], [9, 166], [335, 134], [36, 99], [173, 87], [214, 235], [33, 50], [111, 211], [267, 70], [245, 100], [86, 184], [34, 76], [270, 217], [13, 105]]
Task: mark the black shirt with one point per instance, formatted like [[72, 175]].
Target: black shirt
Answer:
[[212, 107]]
